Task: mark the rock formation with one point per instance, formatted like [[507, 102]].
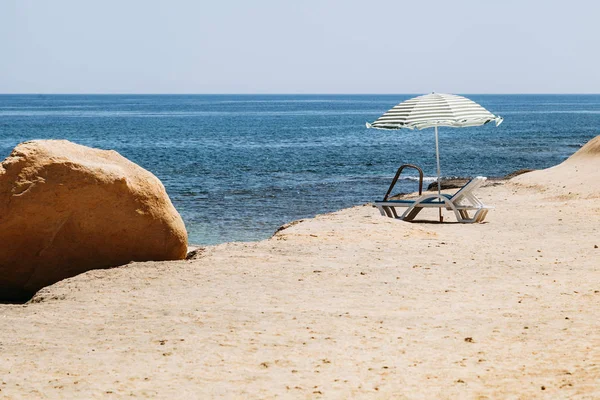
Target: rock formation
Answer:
[[67, 208]]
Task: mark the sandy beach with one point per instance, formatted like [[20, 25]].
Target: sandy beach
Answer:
[[347, 304]]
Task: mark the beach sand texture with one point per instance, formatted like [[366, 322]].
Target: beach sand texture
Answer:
[[348, 304]]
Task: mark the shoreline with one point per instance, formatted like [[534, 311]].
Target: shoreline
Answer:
[[447, 184]]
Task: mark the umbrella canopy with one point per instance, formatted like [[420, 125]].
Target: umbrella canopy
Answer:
[[433, 110]]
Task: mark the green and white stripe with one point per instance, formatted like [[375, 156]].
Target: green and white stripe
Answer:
[[435, 109]]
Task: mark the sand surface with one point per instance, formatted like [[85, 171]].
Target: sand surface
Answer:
[[345, 305]]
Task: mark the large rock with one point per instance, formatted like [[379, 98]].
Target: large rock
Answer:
[[590, 150], [66, 209], [576, 177]]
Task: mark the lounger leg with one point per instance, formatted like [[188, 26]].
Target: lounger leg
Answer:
[[482, 214], [387, 211], [477, 217], [409, 216]]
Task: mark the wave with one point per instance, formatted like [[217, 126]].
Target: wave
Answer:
[[550, 112], [175, 114], [426, 179]]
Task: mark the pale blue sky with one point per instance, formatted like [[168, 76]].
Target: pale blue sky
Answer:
[[309, 46]]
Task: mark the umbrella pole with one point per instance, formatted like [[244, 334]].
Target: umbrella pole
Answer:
[[437, 156]]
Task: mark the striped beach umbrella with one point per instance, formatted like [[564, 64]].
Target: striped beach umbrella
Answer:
[[433, 110]]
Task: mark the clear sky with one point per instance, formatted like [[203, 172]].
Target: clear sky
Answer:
[[306, 46]]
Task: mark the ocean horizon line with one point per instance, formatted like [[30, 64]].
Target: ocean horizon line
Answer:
[[290, 94]]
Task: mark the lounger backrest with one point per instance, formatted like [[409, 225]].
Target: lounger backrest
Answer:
[[469, 187]]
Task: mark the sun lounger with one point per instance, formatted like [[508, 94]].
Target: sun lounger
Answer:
[[460, 202]]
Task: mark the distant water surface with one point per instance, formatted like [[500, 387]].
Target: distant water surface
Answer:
[[239, 166]]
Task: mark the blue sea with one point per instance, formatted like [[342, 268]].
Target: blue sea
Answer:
[[239, 166]]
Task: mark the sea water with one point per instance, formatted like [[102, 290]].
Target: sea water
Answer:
[[238, 166]]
